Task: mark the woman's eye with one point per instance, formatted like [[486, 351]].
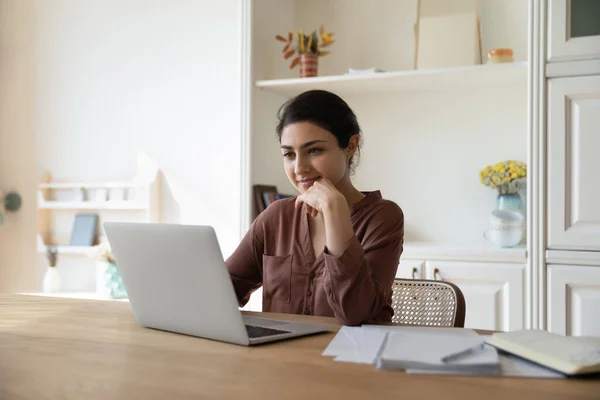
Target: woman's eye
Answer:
[[314, 150], [288, 154]]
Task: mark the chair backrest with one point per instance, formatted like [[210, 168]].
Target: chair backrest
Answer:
[[428, 302]]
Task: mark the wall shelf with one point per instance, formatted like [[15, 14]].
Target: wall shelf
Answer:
[[457, 78], [72, 250], [86, 185], [92, 205]]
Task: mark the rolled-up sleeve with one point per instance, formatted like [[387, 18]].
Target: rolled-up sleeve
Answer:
[[358, 283]]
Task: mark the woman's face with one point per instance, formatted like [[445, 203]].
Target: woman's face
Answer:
[[311, 153]]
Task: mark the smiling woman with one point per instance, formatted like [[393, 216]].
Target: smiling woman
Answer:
[[332, 250]]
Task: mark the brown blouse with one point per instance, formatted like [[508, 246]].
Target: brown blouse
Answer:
[[277, 253]]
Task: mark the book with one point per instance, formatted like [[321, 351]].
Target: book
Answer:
[[570, 355]]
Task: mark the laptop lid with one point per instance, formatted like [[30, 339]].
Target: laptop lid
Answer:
[[176, 279]]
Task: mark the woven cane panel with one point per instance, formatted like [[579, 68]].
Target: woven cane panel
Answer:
[[423, 303]]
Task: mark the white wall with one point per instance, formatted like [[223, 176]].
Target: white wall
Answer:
[[117, 78], [423, 151], [17, 157], [373, 33]]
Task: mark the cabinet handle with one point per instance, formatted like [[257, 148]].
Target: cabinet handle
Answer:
[[414, 272], [437, 275]]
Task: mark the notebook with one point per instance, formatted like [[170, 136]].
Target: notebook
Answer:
[[570, 355]]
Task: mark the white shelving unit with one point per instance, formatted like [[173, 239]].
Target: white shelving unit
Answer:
[[427, 132], [456, 78], [59, 203]]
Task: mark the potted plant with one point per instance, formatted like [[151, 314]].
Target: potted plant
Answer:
[[51, 282], [108, 279], [307, 49], [507, 178]]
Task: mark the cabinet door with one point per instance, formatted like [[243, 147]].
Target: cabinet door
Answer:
[[411, 269], [573, 163], [573, 30], [574, 300], [494, 292]]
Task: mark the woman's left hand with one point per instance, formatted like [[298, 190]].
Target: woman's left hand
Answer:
[[320, 195]]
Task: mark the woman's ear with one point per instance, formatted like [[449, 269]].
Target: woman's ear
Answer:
[[353, 145]]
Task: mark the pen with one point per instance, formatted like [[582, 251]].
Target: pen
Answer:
[[460, 354]]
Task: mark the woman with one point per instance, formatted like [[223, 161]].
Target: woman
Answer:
[[332, 250]]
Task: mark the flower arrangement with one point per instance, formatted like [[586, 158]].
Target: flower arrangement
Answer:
[[298, 42], [505, 176], [102, 252]]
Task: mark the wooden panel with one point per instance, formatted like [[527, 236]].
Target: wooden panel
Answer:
[[574, 195], [574, 300], [567, 38]]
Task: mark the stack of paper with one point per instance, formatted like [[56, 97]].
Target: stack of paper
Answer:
[[414, 350], [421, 350]]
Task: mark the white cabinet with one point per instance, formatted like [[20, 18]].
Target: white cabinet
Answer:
[[574, 300], [573, 30], [494, 292], [573, 163]]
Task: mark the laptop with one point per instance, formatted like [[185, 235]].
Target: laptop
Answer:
[[177, 281]]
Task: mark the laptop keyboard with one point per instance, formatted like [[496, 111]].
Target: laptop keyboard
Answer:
[[258, 331]]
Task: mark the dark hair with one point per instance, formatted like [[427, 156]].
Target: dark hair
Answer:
[[326, 110]]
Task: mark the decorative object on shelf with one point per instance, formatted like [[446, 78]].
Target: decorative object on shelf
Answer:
[[51, 281], [447, 34], [116, 194], [84, 230], [98, 194], [506, 228], [367, 71], [307, 49], [506, 177], [108, 279], [498, 56]]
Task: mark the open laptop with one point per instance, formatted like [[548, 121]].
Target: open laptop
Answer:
[[177, 281]]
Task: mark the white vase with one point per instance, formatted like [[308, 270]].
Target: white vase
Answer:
[[51, 280]]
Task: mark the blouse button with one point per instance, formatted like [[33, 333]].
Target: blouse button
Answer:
[[308, 293], [306, 311], [311, 275]]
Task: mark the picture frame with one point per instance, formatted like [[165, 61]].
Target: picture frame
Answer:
[[84, 230]]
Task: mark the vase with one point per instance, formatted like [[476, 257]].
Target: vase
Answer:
[[51, 281], [309, 65], [108, 281], [509, 201]]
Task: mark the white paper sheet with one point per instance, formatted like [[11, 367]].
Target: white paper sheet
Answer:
[[362, 345], [510, 366], [355, 344]]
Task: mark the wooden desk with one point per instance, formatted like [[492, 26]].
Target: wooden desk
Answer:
[[55, 348]]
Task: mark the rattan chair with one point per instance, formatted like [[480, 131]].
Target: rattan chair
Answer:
[[428, 303]]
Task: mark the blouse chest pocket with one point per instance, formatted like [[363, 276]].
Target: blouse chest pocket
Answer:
[[277, 277]]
